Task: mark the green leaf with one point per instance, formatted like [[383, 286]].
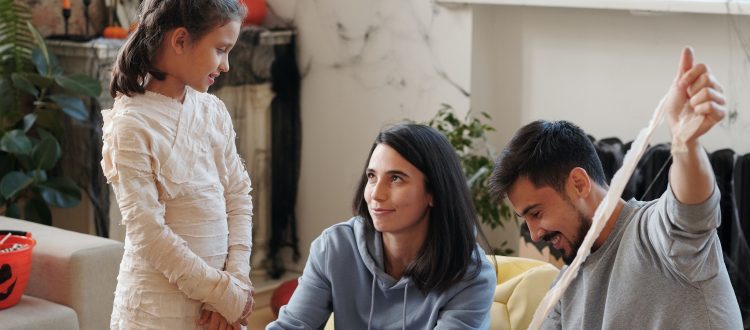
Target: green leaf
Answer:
[[13, 184], [43, 134], [28, 122], [54, 65], [37, 211], [23, 83], [14, 16], [15, 142], [60, 192], [40, 62], [39, 80], [13, 211], [80, 84], [46, 154], [39, 40], [38, 175], [71, 106], [5, 47]]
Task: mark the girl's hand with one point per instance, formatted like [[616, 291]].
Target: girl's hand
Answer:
[[215, 321], [249, 308]]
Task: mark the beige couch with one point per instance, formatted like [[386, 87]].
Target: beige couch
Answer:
[[72, 282]]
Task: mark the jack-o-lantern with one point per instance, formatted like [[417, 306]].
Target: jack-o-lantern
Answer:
[[15, 267]]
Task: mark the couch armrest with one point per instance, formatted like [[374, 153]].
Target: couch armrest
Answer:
[[73, 269]]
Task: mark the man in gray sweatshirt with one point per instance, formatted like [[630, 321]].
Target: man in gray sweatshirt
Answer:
[[655, 265]]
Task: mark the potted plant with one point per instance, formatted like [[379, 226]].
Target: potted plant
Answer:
[[469, 138], [34, 95]]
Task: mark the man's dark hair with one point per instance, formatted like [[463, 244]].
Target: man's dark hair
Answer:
[[545, 152]]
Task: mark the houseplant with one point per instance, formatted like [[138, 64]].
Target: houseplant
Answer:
[[34, 95], [469, 138]]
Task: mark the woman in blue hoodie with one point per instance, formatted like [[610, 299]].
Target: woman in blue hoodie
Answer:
[[409, 258]]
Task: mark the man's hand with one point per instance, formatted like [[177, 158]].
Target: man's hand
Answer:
[[695, 101]]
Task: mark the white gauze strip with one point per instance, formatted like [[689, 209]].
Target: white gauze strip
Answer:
[[602, 213]]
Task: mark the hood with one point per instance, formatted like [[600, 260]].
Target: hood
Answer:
[[370, 247]]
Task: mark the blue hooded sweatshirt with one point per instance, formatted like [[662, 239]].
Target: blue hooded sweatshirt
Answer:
[[344, 275]]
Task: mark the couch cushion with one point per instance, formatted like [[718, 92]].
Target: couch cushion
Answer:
[[73, 269], [521, 285], [34, 313]]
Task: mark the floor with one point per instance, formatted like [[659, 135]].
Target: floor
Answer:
[[264, 287]]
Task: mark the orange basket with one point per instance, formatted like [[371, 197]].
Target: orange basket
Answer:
[[15, 266]]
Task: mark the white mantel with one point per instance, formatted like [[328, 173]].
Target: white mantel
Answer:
[[735, 7]]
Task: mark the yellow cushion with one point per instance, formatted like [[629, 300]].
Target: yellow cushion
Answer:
[[521, 285]]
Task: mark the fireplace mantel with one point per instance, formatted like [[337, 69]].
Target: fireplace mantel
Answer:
[[734, 7]]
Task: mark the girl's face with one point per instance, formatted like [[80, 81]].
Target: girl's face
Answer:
[[208, 56], [395, 193]]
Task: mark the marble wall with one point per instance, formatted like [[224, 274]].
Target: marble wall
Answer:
[[366, 64]]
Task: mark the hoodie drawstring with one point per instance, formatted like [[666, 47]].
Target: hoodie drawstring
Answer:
[[372, 301], [403, 314], [372, 305]]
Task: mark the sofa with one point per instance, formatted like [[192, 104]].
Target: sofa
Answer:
[[72, 281]]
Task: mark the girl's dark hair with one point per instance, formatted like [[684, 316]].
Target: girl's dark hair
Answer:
[[450, 246], [155, 19], [545, 152]]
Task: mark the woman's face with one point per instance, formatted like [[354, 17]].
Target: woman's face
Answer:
[[395, 193]]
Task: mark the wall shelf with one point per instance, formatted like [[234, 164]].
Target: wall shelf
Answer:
[[733, 7]]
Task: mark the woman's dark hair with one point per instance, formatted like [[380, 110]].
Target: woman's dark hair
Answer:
[[545, 152], [155, 19], [449, 249]]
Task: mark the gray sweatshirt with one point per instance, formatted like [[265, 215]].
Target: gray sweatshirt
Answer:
[[344, 275], [661, 268]]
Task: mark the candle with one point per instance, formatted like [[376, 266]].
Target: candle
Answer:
[[66, 14]]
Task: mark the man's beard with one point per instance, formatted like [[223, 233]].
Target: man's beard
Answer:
[[584, 224]]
